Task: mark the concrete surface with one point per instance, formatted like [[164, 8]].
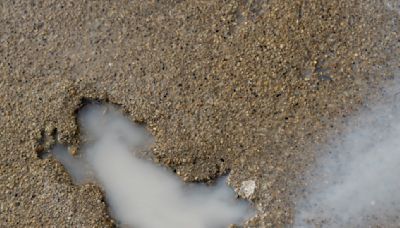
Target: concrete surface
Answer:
[[245, 87]]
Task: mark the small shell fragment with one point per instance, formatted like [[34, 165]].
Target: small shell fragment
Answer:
[[247, 188]]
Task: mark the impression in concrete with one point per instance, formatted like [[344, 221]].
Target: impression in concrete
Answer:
[[140, 193], [358, 178]]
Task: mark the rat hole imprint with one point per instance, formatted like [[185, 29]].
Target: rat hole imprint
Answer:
[[140, 193]]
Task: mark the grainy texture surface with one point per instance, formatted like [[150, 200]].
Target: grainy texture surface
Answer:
[[242, 86]]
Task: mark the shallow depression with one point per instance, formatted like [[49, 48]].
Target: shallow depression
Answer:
[[140, 193], [357, 179]]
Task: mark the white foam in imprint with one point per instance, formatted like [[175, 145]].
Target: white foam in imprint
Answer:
[[140, 193]]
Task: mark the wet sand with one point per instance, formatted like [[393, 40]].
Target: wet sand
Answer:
[[249, 88]]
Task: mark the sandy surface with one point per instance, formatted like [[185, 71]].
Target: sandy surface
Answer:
[[242, 86]]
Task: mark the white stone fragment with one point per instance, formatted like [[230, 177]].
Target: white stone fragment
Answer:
[[247, 188]]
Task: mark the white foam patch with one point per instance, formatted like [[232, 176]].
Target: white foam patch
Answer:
[[78, 168], [393, 5], [140, 193], [359, 178]]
